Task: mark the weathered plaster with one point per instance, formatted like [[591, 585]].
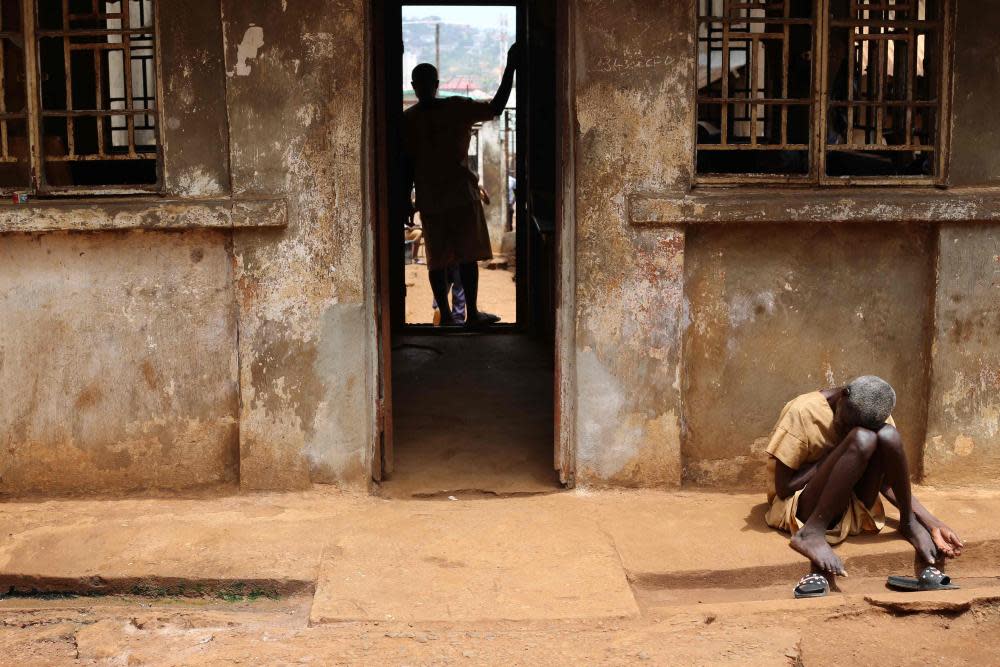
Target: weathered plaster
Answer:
[[296, 131], [195, 135], [141, 213], [975, 158], [117, 362], [633, 135], [963, 432], [756, 205], [494, 179], [780, 310]]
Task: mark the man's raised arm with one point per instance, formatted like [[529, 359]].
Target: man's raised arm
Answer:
[[500, 100]]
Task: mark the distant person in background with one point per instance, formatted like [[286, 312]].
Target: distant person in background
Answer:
[[436, 136], [412, 234], [455, 282], [511, 200]]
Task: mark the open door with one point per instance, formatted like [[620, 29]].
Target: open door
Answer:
[[387, 99], [542, 116]]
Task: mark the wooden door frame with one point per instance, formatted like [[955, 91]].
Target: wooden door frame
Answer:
[[384, 23]]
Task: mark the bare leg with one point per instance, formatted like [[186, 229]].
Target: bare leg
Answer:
[[891, 458], [439, 285], [827, 495], [470, 281]]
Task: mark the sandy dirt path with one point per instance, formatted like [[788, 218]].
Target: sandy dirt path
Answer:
[[122, 631], [497, 294]]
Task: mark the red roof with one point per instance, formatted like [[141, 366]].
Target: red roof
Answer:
[[462, 83]]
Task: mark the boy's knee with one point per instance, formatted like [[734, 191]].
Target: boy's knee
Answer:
[[863, 442], [890, 441]]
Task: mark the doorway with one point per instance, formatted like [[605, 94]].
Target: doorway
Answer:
[[463, 411]]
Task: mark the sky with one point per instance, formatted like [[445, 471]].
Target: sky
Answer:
[[481, 17]]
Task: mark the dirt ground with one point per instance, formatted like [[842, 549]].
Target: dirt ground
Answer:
[[124, 631], [497, 294], [494, 393], [582, 577]]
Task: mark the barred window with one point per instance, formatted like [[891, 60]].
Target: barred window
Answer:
[[82, 115], [821, 91]]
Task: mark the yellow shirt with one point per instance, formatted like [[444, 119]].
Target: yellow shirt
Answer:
[[804, 430], [436, 140]]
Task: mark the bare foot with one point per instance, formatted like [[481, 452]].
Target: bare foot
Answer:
[[818, 551], [920, 538]]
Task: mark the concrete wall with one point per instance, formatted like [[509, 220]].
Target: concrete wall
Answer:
[[779, 310], [296, 86], [975, 156], [765, 311], [153, 360], [633, 134], [139, 360], [963, 433], [494, 177], [118, 362]]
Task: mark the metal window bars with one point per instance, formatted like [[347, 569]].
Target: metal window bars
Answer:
[[108, 56], [885, 86], [820, 90], [87, 115], [746, 73], [14, 152]]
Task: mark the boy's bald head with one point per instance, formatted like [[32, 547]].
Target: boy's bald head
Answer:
[[425, 81], [867, 401]]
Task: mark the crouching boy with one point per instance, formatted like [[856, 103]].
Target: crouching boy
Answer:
[[833, 454]]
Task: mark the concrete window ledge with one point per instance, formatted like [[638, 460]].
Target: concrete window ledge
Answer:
[[750, 205], [141, 213]]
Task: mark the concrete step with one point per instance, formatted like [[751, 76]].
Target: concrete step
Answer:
[[568, 555]]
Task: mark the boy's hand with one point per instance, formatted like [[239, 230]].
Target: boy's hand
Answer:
[[947, 541], [513, 57]]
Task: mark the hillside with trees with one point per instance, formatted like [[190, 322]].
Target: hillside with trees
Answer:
[[466, 51]]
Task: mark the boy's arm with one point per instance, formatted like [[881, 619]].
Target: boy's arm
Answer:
[[499, 102], [946, 539], [787, 481]]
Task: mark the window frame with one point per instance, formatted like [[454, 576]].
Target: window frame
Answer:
[[33, 76], [817, 176]]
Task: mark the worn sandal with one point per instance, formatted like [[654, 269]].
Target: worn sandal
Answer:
[[812, 586], [931, 579]]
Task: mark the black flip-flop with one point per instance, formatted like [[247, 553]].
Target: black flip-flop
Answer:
[[931, 579], [812, 586], [484, 321]]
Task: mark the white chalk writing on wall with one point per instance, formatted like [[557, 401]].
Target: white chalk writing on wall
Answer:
[[629, 60]]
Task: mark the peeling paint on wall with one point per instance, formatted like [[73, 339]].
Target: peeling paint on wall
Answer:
[[775, 313], [296, 127], [253, 41], [963, 432], [632, 136], [123, 348]]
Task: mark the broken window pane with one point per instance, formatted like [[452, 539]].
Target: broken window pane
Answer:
[[755, 95], [98, 90], [884, 68]]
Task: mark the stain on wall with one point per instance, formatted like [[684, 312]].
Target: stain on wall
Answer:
[[117, 362], [779, 310], [975, 141], [963, 433], [295, 115], [633, 134], [195, 137]]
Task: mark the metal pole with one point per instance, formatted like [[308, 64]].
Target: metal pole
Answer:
[[437, 47]]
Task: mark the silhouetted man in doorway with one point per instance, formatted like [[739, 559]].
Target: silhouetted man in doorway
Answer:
[[436, 136]]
